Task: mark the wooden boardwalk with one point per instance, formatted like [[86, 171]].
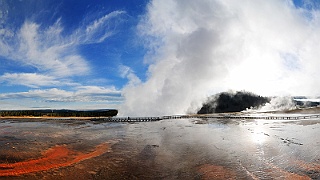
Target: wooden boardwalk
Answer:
[[158, 118]]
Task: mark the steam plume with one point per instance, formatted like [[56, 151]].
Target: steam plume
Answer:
[[198, 48]]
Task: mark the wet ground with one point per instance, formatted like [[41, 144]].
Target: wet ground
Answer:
[[168, 149]]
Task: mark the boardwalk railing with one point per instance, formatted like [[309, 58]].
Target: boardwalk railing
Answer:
[[128, 119], [158, 118]]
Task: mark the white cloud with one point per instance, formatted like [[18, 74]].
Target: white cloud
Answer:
[[97, 90], [47, 51], [33, 80], [50, 50], [80, 94], [48, 94], [99, 26], [203, 47]]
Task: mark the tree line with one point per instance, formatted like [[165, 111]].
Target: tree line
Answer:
[[60, 113], [232, 102]]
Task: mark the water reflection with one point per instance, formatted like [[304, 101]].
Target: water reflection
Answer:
[[169, 149], [259, 134]]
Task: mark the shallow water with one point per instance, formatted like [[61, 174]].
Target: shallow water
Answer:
[[168, 149]]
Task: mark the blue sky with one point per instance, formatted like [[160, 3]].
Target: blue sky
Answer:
[[150, 57], [57, 54]]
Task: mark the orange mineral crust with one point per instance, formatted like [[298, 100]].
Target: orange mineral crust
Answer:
[[55, 157], [209, 171]]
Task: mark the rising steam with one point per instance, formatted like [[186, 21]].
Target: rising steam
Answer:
[[199, 48]]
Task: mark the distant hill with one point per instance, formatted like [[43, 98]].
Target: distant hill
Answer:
[[232, 102], [60, 113]]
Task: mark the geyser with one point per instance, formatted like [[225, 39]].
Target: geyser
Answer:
[[199, 48]]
